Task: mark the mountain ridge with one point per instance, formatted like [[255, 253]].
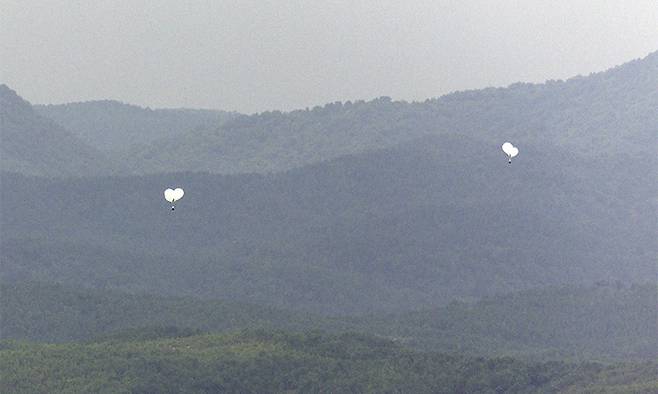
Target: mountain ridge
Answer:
[[35, 145], [415, 225], [114, 127], [606, 113]]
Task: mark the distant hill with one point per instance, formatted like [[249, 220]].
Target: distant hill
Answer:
[[276, 141], [269, 362], [115, 127], [606, 113], [604, 322], [603, 114], [409, 227], [34, 145]]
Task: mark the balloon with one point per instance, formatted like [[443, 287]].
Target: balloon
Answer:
[[173, 195], [510, 150]]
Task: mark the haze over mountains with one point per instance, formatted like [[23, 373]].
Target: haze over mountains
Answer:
[[608, 113], [387, 209], [413, 226], [115, 127], [34, 145], [415, 207]]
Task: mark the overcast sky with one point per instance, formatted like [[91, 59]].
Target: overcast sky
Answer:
[[258, 55]]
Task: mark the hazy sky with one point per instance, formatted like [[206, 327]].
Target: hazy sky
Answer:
[[258, 55]]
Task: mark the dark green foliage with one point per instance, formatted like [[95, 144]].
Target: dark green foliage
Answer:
[[268, 362], [605, 322], [55, 313], [148, 333]]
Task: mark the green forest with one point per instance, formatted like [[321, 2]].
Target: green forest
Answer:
[[376, 246], [606, 322], [265, 361]]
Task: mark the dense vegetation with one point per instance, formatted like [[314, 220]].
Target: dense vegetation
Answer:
[[405, 228], [268, 362], [604, 322], [55, 313]]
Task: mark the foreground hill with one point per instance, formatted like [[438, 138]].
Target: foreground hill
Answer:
[[55, 313], [32, 144], [605, 322], [115, 127], [269, 362], [410, 227]]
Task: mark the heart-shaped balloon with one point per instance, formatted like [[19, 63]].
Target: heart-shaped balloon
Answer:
[[173, 195], [510, 150]]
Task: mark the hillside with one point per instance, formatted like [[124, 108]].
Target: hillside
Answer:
[[603, 114], [276, 141], [409, 227], [606, 114], [116, 127], [604, 322], [55, 313], [264, 362], [406, 228], [34, 145]]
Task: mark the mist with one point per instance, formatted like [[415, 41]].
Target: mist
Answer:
[[345, 197], [252, 56]]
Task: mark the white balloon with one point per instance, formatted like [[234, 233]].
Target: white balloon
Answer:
[[507, 148], [169, 195], [514, 151], [173, 195], [178, 193]]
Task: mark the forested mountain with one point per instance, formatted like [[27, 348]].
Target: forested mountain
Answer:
[[34, 145], [600, 115], [608, 113], [315, 218], [116, 127], [276, 141], [603, 322], [55, 313], [409, 227], [274, 362]]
